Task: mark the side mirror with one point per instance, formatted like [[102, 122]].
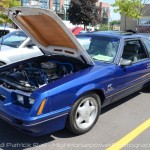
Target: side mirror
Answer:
[[30, 45], [125, 62]]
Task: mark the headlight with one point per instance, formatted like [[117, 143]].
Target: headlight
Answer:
[[31, 101], [24, 101], [20, 99]]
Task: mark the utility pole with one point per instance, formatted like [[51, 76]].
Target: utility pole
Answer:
[[21, 2], [65, 12]]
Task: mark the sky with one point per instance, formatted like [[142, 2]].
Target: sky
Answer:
[[114, 16]]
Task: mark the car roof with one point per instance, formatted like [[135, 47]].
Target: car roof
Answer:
[[145, 34], [114, 34], [7, 28]]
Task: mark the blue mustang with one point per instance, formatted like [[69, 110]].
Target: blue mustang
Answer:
[[68, 86]]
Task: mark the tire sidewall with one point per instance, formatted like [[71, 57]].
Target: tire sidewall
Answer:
[[74, 128]]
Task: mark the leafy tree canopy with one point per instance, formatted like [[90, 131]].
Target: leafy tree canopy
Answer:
[[115, 22], [104, 27], [131, 8], [6, 4], [83, 12]]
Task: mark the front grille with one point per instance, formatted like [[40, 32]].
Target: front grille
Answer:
[[2, 97]]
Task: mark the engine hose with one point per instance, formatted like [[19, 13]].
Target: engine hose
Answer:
[[62, 63]]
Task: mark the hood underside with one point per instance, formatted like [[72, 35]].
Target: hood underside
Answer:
[[48, 32]]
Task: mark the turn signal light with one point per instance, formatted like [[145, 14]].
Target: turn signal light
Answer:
[[41, 107]]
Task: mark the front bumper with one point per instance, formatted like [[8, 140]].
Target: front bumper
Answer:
[[27, 121], [36, 126]]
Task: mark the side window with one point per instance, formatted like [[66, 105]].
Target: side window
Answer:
[[147, 43], [134, 51], [3, 32]]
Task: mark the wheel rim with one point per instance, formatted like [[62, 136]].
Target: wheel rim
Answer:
[[86, 113]]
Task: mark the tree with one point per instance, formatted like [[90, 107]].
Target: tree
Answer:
[[83, 12], [104, 27], [115, 22], [131, 8], [6, 4]]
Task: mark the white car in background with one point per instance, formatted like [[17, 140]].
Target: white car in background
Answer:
[[17, 46]]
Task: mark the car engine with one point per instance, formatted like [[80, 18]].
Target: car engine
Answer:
[[31, 76]]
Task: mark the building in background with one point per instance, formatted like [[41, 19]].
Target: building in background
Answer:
[[142, 26], [59, 6], [104, 11]]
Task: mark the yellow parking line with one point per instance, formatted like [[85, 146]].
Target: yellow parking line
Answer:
[[129, 137]]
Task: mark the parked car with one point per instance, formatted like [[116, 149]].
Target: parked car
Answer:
[[69, 85], [4, 31], [17, 46]]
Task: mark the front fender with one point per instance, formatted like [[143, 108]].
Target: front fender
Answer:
[[85, 89], [88, 88]]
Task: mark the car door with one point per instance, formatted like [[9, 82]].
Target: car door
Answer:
[[30, 50], [132, 78]]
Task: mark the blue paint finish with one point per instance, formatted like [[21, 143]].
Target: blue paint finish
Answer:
[[112, 79]]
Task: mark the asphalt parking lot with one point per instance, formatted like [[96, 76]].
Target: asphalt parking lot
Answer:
[[122, 122]]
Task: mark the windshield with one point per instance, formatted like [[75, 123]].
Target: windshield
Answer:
[[100, 48], [13, 39]]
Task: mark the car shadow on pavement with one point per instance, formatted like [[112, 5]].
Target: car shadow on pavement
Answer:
[[12, 138]]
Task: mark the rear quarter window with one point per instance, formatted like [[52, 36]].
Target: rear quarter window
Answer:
[[147, 43]]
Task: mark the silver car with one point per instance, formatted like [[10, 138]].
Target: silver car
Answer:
[[17, 46]]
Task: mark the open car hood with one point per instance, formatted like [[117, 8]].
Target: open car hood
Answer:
[[48, 32]]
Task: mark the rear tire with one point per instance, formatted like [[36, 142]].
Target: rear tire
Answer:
[[84, 113]]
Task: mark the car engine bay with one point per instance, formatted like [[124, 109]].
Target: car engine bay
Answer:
[[33, 75]]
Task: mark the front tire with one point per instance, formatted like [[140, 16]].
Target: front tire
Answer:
[[84, 113]]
